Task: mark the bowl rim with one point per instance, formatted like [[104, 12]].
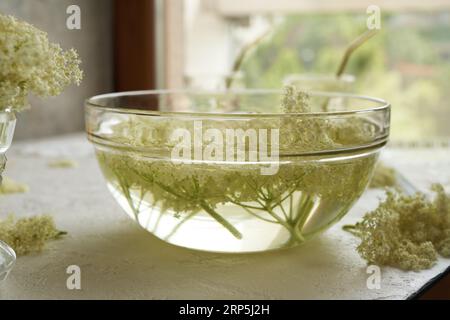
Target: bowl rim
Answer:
[[383, 105]]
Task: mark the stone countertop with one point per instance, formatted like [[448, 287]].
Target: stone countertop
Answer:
[[119, 260]]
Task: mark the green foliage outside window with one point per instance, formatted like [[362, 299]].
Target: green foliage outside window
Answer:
[[406, 63]]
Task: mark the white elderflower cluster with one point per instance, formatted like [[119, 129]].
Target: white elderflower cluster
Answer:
[[29, 63], [28, 235], [406, 232]]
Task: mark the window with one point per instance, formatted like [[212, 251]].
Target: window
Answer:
[[407, 63]]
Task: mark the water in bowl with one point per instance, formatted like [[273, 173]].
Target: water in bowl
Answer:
[[233, 208]]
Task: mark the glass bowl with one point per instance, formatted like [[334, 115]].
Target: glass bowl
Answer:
[[232, 171]]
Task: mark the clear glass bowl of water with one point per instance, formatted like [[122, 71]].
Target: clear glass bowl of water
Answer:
[[233, 171]]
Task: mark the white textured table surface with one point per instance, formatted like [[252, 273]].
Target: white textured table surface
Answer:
[[121, 261]]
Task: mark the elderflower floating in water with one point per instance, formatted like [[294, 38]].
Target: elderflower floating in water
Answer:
[[27, 235], [230, 206], [406, 232], [29, 63]]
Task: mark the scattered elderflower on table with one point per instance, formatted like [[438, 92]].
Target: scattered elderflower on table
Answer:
[[28, 235], [406, 232], [29, 63], [63, 163], [9, 186]]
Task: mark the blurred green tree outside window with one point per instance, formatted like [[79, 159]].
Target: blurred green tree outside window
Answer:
[[407, 63]]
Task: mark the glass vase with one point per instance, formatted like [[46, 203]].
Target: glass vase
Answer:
[[7, 125]]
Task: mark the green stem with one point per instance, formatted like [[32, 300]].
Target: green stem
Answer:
[[141, 199], [257, 216], [174, 230], [289, 195], [126, 191], [243, 205], [60, 234], [205, 207], [284, 212], [220, 220], [291, 209], [292, 231], [303, 211], [351, 229], [158, 220]]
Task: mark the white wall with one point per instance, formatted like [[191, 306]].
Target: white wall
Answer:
[[213, 41]]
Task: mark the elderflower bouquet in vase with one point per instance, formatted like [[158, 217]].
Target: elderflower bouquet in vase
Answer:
[[29, 64]]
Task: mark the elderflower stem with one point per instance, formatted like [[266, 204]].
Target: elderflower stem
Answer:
[[290, 228], [236, 233], [351, 229], [208, 209], [178, 226], [291, 204], [303, 212]]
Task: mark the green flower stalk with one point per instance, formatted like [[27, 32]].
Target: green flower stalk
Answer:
[[29, 63]]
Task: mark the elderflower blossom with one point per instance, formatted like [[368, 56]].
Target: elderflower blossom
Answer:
[[406, 232], [27, 235], [29, 63]]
